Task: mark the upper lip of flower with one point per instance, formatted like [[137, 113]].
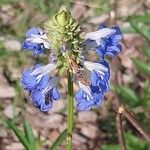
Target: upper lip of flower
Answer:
[[106, 32], [85, 88], [44, 69], [39, 39], [95, 66], [52, 83]]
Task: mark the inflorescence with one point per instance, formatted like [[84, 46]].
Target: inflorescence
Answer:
[[63, 36]]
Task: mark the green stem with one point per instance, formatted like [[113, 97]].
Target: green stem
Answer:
[[70, 111]]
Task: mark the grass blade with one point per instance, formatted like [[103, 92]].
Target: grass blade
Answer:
[[19, 134], [140, 31], [141, 66], [29, 134], [127, 95], [59, 140]]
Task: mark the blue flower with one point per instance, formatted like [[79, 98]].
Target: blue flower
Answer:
[[44, 99], [35, 47], [92, 95], [100, 67], [37, 76], [110, 45], [86, 102], [105, 41], [36, 40], [42, 88], [99, 84], [30, 81]]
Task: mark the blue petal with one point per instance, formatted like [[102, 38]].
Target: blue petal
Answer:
[[44, 82], [83, 106], [100, 52], [110, 45], [28, 45], [37, 98], [55, 94], [94, 78], [46, 107], [79, 95], [107, 74], [101, 26], [36, 66], [95, 89], [98, 99], [35, 47], [104, 86], [28, 82], [32, 31], [118, 31]]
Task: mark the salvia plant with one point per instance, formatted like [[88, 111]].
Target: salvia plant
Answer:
[[68, 45]]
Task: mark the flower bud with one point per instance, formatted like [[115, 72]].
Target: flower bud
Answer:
[[62, 18]]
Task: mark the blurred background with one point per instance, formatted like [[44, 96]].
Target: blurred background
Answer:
[[130, 73]]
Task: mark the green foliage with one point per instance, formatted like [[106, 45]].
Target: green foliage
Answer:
[[129, 95], [110, 147], [102, 6], [59, 140], [7, 1], [140, 18], [142, 66], [126, 95], [29, 134], [50, 6], [135, 143], [25, 137], [138, 23], [145, 97], [139, 29], [146, 51], [132, 143], [20, 135]]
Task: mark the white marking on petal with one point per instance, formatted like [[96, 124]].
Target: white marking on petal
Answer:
[[39, 77], [44, 69], [85, 88], [37, 39], [95, 66], [46, 44], [52, 83], [40, 31], [106, 32]]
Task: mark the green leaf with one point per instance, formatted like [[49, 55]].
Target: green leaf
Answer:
[[145, 95], [146, 51], [127, 95], [141, 66], [19, 134], [134, 143], [110, 147], [140, 18], [29, 134], [146, 91], [139, 29], [59, 140]]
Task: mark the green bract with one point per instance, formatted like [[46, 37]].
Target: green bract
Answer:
[[64, 32]]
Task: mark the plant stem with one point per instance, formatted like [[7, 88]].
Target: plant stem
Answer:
[[120, 131], [70, 111], [135, 123]]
